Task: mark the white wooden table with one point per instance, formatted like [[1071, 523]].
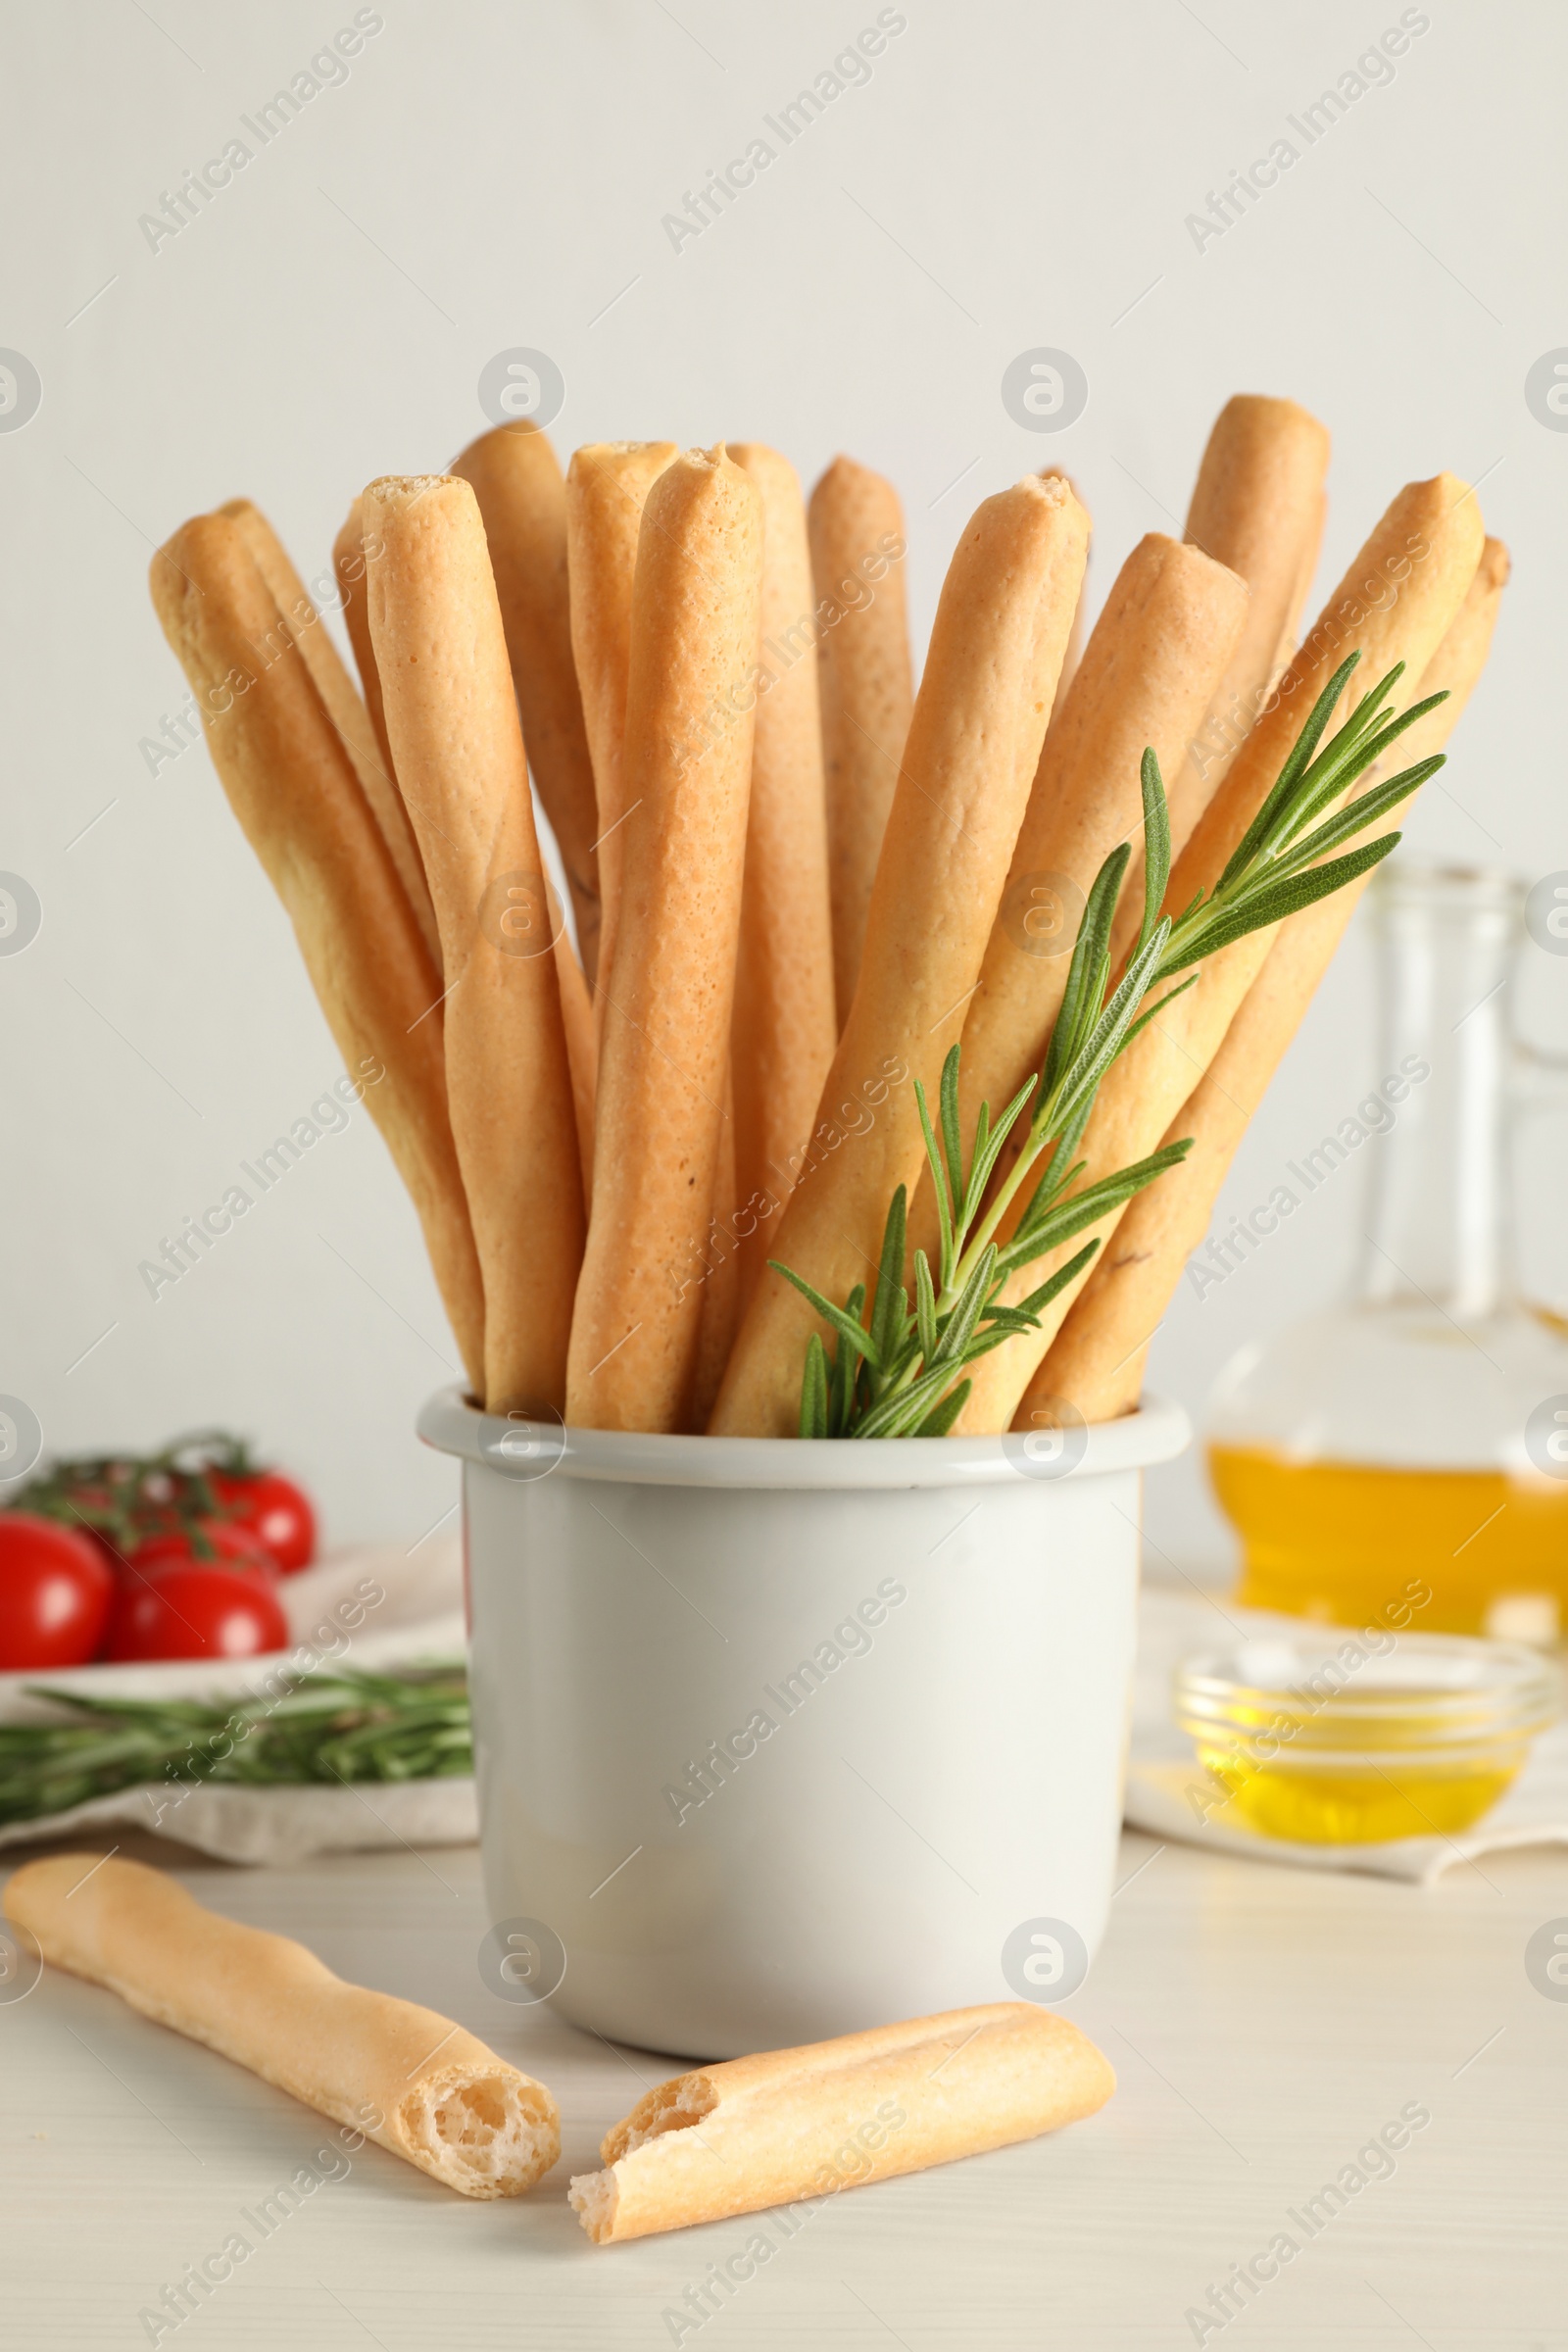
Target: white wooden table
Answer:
[[1265, 2024]]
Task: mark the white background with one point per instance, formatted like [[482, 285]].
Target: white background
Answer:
[[495, 176]]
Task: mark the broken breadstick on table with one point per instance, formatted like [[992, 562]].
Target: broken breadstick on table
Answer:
[[1146, 677], [441, 2100], [785, 1026], [516, 479], [451, 720], [1001, 630], [867, 689], [1395, 605], [290, 781], [1096, 1363], [794, 2124], [607, 488], [670, 950]]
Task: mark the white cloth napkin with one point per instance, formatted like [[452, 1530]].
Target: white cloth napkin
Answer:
[[1163, 1766], [375, 1607]]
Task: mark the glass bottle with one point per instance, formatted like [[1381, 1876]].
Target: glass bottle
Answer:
[[1415, 1439]]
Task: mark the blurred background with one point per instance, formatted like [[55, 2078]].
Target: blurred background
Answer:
[[470, 180]]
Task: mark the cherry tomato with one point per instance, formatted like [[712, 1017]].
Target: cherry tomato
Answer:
[[195, 1609], [273, 1507], [235, 1546], [55, 1594]]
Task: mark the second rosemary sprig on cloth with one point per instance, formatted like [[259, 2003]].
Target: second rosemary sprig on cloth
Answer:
[[325, 1726], [896, 1370]]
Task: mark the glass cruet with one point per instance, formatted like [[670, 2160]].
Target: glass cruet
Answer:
[[1412, 1442]]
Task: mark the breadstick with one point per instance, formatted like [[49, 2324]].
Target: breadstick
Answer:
[[786, 1025], [607, 487], [1167, 634], [582, 1049], [1290, 634], [1097, 1361], [719, 1275], [516, 479], [1394, 603], [863, 649], [974, 739], [664, 1041], [343, 706], [290, 782], [794, 2124], [352, 554], [452, 719], [1080, 620], [1256, 507], [350, 558], [437, 2096]]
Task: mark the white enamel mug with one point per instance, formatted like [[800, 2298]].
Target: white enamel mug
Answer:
[[775, 1740]]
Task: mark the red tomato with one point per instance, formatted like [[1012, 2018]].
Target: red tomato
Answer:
[[195, 1609], [236, 1547], [274, 1509], [55, 1591]]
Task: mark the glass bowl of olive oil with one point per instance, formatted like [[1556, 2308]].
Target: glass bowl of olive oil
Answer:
[[1325, 1749]]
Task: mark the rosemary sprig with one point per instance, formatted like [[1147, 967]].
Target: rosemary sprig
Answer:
[[899, 1372], [325, 1726]]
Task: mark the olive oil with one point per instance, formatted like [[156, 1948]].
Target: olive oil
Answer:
[[1357, 1804], [1334, 1540], [1361, 1741]]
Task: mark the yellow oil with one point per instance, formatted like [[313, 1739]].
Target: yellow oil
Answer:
[[1356, 1804], [1340, 1542]]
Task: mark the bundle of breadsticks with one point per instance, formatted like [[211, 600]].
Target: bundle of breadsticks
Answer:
[[794, 883]]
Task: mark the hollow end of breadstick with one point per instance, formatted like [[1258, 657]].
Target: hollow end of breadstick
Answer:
[[672, 2106], [483, 2134], [675, 2106]]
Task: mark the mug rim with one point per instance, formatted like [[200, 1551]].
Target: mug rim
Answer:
[[523, 1450]]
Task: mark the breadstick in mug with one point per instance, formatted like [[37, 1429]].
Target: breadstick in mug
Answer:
[[344, 708], [668, 1001], [1396, 604], [785, 1022], [607, 488], [452, 719], [1097, 1361], [719, 1274], [290, 782], [794, 2124], [863, 645], [350, 557], [1149, 671], [516, 479], [1256, 507], [582, 1048], [405, 2077], [1080, 620], [974, 739]]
